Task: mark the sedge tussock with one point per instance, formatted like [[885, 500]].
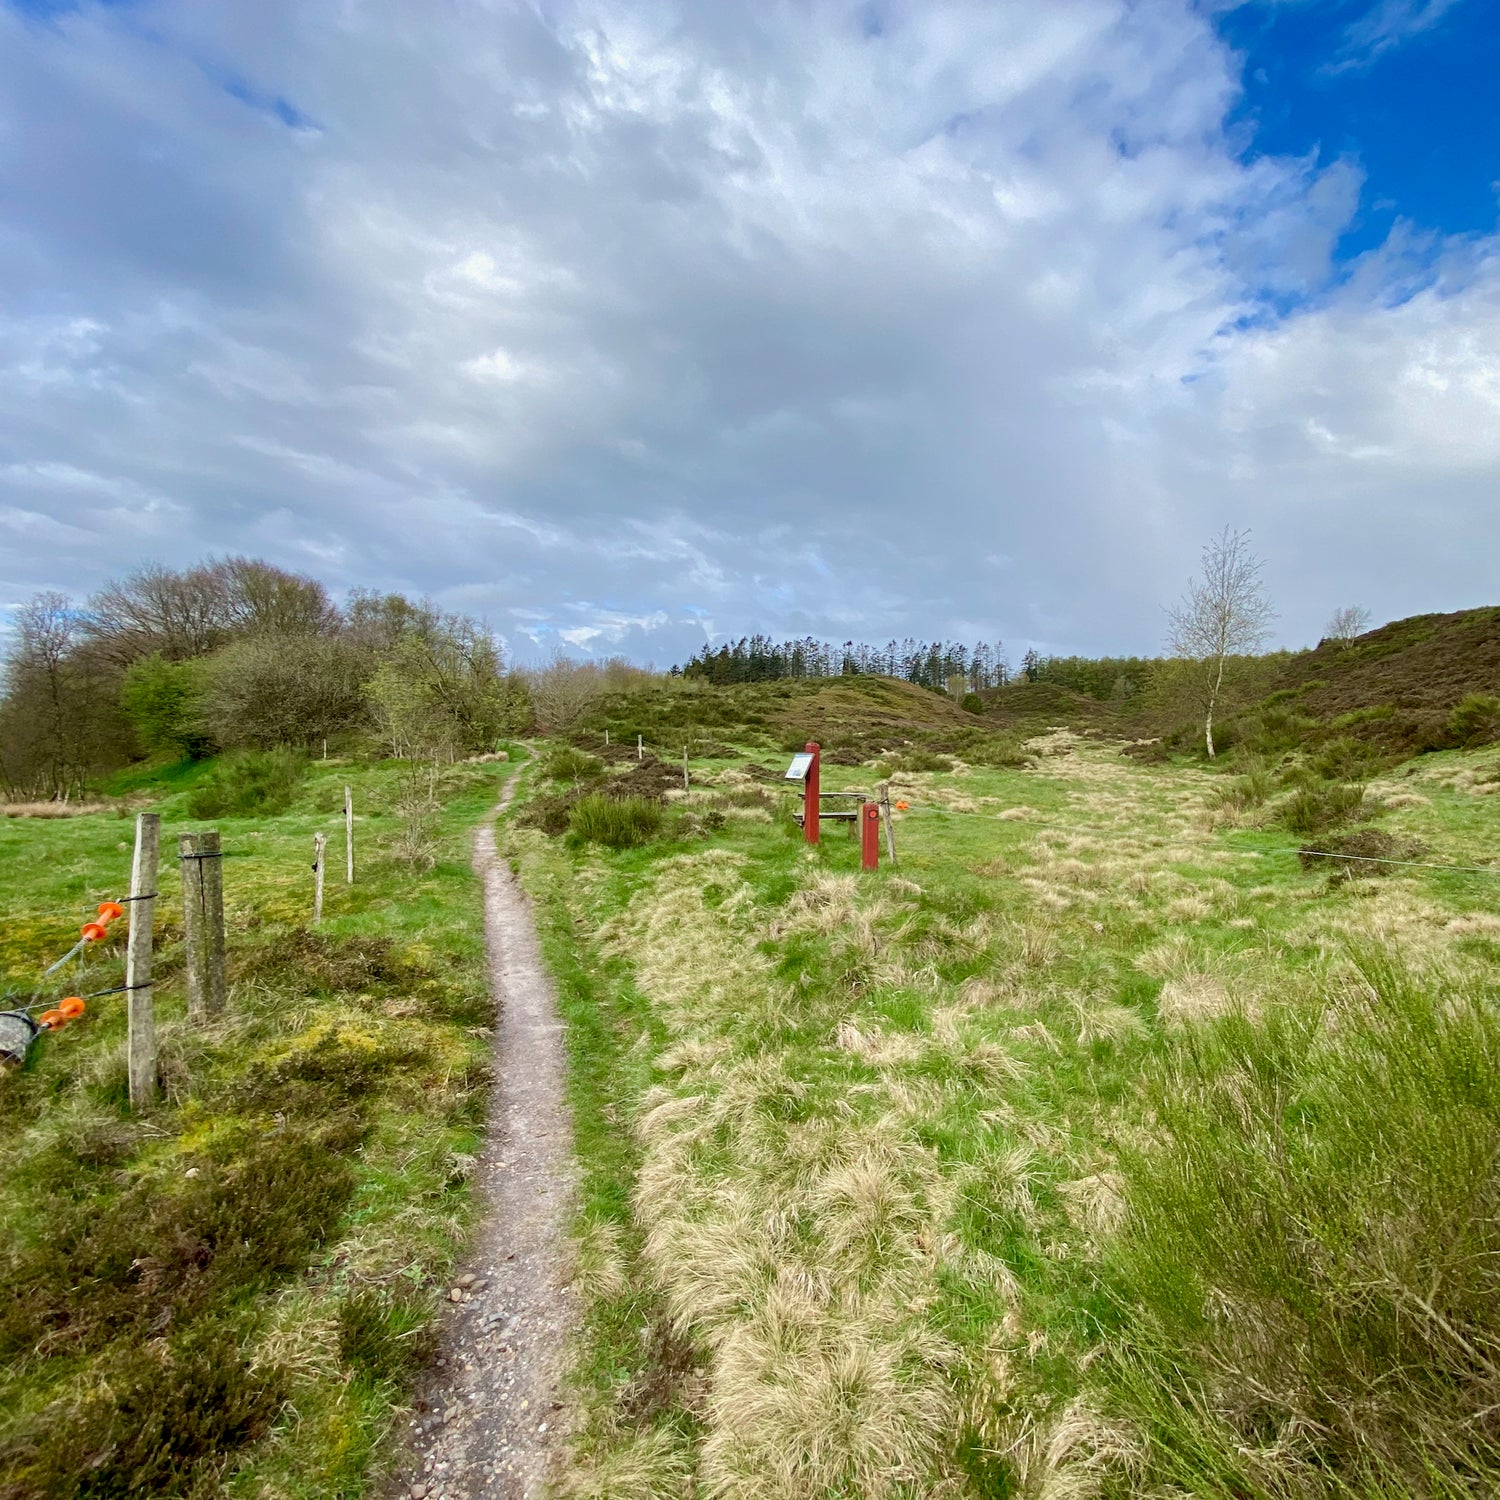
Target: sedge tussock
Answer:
[[598, 1260], [1095, 1204], [806, 1405], [655, 1464], [1083, 1450], [1405, 799], [1018, 814], [878, 1048], [1193, 997], [1474, 924], [1105, 1020]]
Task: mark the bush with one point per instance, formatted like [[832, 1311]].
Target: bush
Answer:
[[1248, 790], [252, 783], [1308, 1284], [1475, 720], [164, 702], [616, 822], [1358, 851], [567, 764], [972, 703], [1344, 759], [272, 690], [1324, 805]]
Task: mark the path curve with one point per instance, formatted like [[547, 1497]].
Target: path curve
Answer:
[[486, 1422]]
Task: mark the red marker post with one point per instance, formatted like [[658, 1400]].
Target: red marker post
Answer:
[[869, 835], [810, 802]]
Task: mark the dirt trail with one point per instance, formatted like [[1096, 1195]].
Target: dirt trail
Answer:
[[486, 1421]]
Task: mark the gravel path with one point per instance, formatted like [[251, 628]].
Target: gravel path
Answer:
[[485, 1423]]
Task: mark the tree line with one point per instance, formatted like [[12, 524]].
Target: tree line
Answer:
[[235, 653], [941, 665]]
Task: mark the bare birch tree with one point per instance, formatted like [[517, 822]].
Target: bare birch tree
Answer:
[[1224, 613], [1347, 624]]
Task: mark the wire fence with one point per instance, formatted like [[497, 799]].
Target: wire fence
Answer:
[[904, 806]]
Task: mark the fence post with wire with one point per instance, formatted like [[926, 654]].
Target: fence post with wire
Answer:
[[141, 1041]]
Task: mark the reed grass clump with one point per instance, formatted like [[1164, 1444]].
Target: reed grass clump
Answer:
[[615, 822], [1309, 1278]]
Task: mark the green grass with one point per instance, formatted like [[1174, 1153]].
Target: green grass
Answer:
[[229, 1292], [1064, 1158]]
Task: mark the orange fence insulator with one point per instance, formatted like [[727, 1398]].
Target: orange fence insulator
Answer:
[[110, 911], [903, 807], [72, 1007], [53, 1020], [94, 931]]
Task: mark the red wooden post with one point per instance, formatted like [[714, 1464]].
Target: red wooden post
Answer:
[[810, 802], [869, 835]]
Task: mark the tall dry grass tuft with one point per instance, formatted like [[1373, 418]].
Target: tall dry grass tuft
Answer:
[[793, 1249]]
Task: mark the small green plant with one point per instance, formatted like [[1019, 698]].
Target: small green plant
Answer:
[[1344, 759], [972, 703], [1248, 790], [1322, 805], [615, 822], [567, 764], [248, 784], [1475, 720]]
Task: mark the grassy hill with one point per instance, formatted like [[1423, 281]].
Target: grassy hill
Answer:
[[1400, 684]]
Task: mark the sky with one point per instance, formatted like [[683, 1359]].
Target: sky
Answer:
[[630, 326]]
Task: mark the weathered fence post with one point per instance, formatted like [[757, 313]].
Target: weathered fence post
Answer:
[[606, 739], [141, 1024], [212, 864], [885, 813], [194, 925], [320, 845], [685, 784], [348, 836], [640, 749]]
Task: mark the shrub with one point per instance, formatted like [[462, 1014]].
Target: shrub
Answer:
[[567, 764], [616, 822], [252, 783], [1246, 791], [1323, 805], [972, 703], [164, 702], [1359, 850], [1309, 1278], [1475, 720], [169, 1412], [1344, 759], [271, 690], [1001, 752]]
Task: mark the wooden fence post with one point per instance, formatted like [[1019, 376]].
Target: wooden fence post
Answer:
[[203, 923], [349, 835], [217, 993], [885, 814], [320, 844], [194, 924], [639, 748], [141, 1024], [685, 784]]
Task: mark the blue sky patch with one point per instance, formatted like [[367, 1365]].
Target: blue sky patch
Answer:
[[1404, 89]]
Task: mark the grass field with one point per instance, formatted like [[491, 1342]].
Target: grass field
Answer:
[[1099, 1148], [228, 1293]]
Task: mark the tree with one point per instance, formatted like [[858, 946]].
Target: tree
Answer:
[[1347, 623], [59, 718], [163, 700], [270, 690], [1224, 613], [564, 692]]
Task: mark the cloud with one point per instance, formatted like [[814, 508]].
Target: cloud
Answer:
[[1387, 25], [628, 324]]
